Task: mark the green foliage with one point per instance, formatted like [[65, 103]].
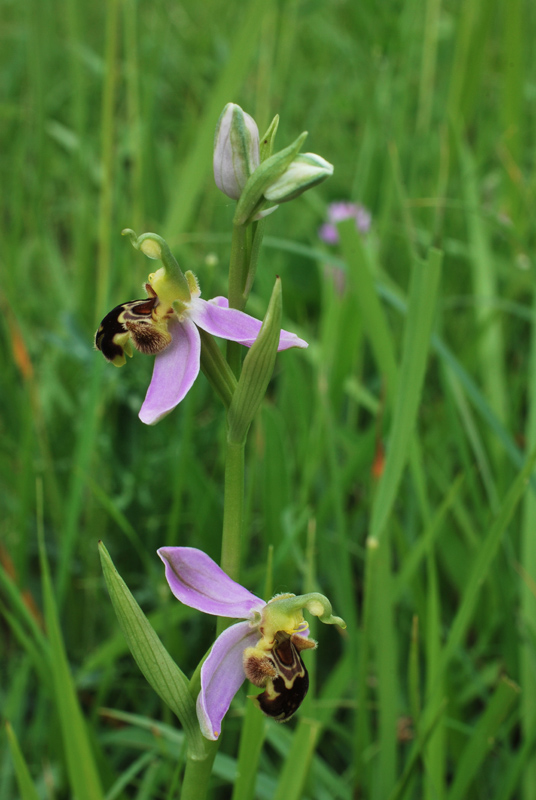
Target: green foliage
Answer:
[[385, 467]]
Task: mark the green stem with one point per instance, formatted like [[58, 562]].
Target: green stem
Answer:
[[258, 233], [238, 270], [197, 774], [238, 266], [233, 517], [233, 512], [216, 369]]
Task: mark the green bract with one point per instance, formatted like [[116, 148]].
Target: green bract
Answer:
[[151, 656], [256, 371]]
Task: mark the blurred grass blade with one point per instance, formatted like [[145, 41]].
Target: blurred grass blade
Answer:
[[483, 271], [512, 112], [374, 319], [474, 438], [386, 649], [428, 69], [40, 660], [198, 162], [363, 719], [159, 669], [251, 741], [479, 401], [414, 673], [482, 739], [295, 770], [425, 541], [528, 595], [436, 754], [419, 319], [81, 765], [519, 768], [150, 781], [482, 563], [24, 779], [23, 613], [469, 384], [416, 755], [74, 503], [129, 774]]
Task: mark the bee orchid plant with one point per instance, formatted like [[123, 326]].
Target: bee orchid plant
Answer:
[[176, 325]]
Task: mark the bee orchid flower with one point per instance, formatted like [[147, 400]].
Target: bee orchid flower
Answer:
[[264, 647], [166, 324]]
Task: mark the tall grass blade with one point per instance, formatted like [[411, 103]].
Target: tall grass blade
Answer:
[[247, 765], [81, 765], [482, 738], [24, 779], [129, 774], [386, 649], [485, 288], [416, 756], [479, 571], [194, 168], [420, 315], [296, 768], [374, 319], [429, 65], [528, 595]]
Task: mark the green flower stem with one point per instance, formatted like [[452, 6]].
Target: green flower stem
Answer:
[[258, 233], [238, 270], [197, 774], [216, 369], [238, 266], [233, 515]]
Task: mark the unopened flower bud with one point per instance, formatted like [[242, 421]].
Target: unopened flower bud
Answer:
[[305, 171], [236, 150]]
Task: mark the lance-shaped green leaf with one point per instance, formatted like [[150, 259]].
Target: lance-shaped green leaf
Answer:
[[267, 173], [256, 371], [159, 669]]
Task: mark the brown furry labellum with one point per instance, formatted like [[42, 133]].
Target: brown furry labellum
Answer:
[[283, 674], [131, 321]]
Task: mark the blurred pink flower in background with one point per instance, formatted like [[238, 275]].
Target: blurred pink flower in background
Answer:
[[343, 210]]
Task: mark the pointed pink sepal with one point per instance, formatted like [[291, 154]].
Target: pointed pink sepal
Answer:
[[215, 317]]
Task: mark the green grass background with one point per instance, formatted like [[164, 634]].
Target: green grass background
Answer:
[[386, 466]]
